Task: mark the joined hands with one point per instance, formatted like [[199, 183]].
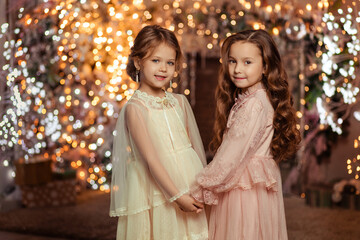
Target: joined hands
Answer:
[[189, 204]]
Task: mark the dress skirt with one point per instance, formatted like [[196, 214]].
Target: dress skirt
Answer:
[[252, 214], [166, 221]]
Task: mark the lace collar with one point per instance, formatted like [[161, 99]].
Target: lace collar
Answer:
[[152, 101], [249, 91]]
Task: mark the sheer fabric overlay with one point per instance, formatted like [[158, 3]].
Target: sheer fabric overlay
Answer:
[[157, 153], [243, 181]]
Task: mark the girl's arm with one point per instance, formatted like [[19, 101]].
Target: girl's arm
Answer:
[[192, 129], [136, 125], [238, 146]]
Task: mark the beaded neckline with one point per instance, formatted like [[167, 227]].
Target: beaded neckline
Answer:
[[156, 102], [146, 95]]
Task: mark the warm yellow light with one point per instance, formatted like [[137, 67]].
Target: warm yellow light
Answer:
[[299, 114], [269, 9], [176, 4], [256, 26], [275, 31], [277, 7], [308, 7], [73, 165], [82, 175]]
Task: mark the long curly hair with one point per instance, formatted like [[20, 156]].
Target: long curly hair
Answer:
[[286, 137]]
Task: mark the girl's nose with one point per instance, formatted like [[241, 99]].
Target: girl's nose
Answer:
[[163, 67], [238, 68]]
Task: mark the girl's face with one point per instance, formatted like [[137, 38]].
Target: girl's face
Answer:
[[158, 69], [245, 64]]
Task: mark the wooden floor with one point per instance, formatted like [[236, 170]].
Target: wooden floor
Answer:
[[89, 220], [18, 236]]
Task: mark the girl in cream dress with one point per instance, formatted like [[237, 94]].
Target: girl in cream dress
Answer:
[[157, 149]]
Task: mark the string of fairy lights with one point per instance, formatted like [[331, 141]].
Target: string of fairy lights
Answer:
[[66, 79], [345, 83], [353, 165]]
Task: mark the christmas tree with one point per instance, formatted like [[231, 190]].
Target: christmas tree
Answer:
[[66, 81]]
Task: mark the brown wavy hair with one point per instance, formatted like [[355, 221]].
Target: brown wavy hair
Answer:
[[286, 137], [146, 41]]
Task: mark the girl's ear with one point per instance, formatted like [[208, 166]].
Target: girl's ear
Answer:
[[137, 63], [264, 69]]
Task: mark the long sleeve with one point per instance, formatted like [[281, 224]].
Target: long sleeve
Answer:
[[239, 144], [193, 130], [153, 161], [136, 124]]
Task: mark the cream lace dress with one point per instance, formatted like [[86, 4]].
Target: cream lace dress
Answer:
[[157, 143], [243, 182]]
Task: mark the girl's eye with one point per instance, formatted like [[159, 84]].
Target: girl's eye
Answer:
[[247, 62], [155, 60], [171, 63], [232, 61]]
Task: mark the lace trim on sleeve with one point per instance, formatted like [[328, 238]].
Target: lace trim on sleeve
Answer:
[[204, 195], [177, 196]]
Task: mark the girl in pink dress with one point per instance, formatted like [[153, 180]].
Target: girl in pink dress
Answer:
[[255, 129]]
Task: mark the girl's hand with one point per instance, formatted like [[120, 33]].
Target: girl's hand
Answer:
[[189, 204]]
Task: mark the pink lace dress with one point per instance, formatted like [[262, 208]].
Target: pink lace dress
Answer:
[[243, 182]]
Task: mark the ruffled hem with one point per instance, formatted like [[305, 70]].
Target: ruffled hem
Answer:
[[124, 212], [259, 170], [201, 236]]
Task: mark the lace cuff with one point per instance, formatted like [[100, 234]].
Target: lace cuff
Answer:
[[204, 195], [177, 196]]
